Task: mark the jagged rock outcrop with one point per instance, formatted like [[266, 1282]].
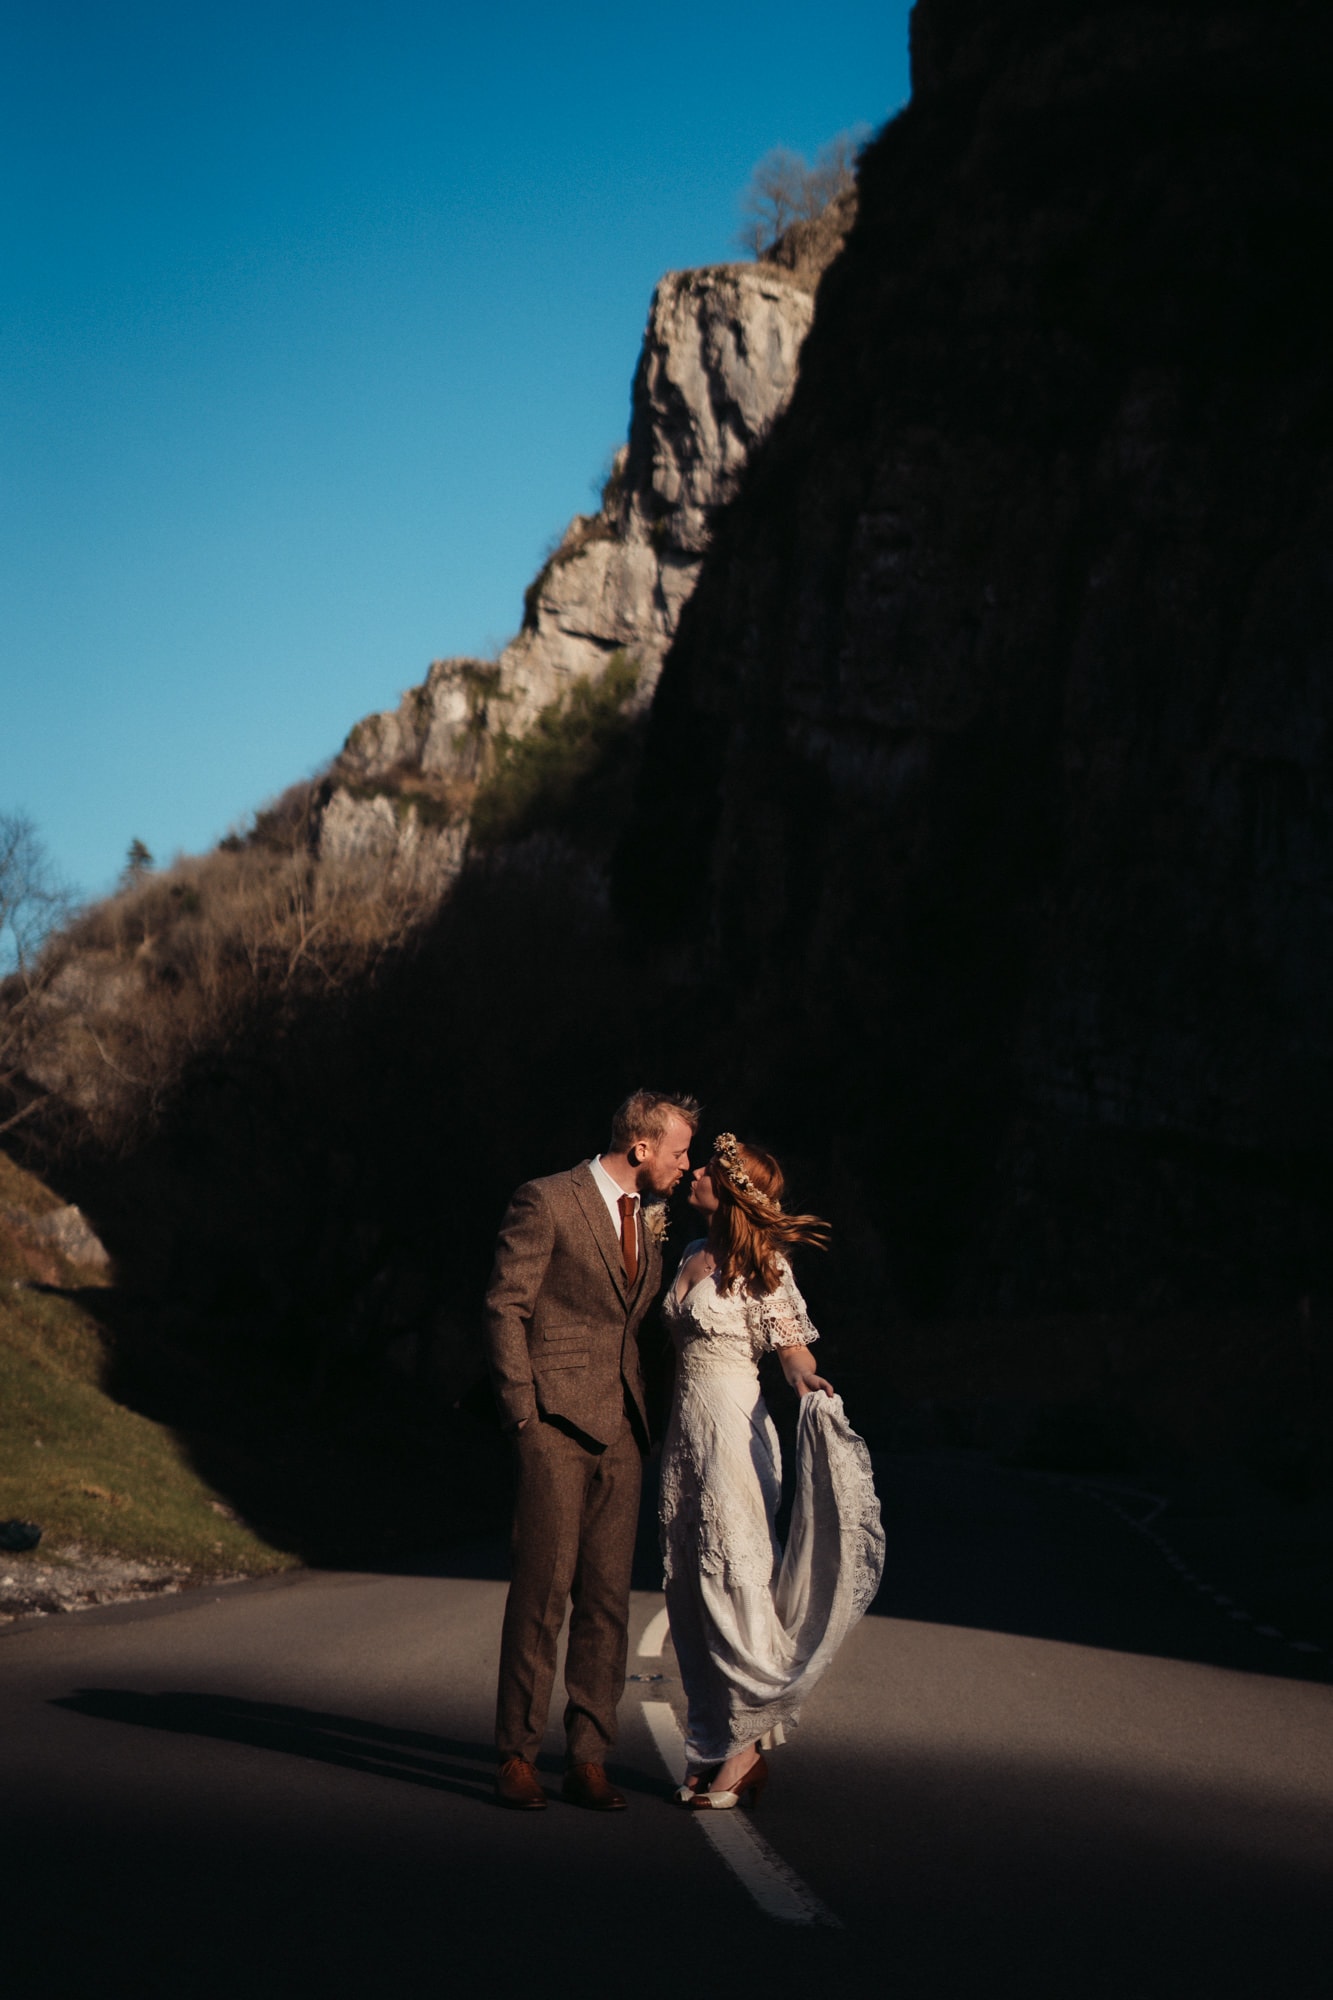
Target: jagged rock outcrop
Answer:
[[388, 831], [718, 363], [64, 1230]]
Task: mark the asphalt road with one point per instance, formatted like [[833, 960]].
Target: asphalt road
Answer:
[[1043, 1766]]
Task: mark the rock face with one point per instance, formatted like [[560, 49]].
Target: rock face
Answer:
[[381, 830], [66, 1231], [998, 726], [719, 361]]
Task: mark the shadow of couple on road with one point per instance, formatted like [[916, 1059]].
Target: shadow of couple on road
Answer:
[[412, 1756]]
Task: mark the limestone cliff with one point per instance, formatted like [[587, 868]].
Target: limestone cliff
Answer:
[[718, 363]]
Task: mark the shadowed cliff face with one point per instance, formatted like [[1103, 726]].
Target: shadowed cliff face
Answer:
[[997, 729]]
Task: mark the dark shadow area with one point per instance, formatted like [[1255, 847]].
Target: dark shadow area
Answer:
[[410, 1756], [988, 1547], [954, 1875], [407, 1756], [993, 1547], [1014, 1874]]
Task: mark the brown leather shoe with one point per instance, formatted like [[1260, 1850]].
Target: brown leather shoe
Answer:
[[518, 1785], [588, 1785]]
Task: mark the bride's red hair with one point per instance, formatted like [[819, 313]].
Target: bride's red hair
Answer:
[[750, 1226]]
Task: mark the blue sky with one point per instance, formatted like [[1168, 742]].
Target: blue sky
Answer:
[[317, 322]]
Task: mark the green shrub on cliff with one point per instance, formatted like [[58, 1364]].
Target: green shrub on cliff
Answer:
[[535, 779]]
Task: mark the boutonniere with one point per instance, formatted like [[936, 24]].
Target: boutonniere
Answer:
[[656, 1221]]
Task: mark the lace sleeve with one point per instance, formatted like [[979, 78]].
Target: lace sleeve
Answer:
[[783, 1318]]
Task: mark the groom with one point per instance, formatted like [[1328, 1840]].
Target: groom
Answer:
[[576, 1269]]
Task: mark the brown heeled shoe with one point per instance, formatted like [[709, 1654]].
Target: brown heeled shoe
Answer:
[[753, 1782], [686, 1794]]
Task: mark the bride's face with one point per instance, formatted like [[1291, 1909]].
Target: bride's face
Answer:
[[703, 1195]]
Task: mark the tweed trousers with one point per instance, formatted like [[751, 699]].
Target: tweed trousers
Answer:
[[575, 1517]]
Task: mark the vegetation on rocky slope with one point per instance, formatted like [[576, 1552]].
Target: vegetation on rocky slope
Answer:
[[537, 778], [176, 965], [92, 1473]]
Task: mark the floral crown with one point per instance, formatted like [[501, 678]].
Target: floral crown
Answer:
[[727, 1151]]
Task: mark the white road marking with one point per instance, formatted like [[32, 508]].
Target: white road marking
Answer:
[[776, 1888], [654, 1636]]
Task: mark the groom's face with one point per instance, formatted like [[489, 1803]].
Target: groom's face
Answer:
[[661, 1162]]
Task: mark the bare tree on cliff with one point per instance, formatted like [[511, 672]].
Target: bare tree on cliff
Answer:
[[785, 188], [32, 902], [32, 899]]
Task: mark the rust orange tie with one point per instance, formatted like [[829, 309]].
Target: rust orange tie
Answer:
[[629, 1239]]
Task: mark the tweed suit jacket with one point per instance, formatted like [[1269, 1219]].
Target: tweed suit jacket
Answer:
[[562, 1326]]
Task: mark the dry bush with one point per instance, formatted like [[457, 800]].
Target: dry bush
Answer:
[[786, 188], [33, 902], [32, 899], [178, 962]]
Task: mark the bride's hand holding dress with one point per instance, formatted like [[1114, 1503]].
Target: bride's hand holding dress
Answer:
[[798, 1365]]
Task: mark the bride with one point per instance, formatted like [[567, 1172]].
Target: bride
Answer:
[[753, 1628]]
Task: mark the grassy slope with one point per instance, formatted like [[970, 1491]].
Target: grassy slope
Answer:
[[82, 1466]]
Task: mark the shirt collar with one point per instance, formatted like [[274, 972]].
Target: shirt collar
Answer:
[[611, 1190]]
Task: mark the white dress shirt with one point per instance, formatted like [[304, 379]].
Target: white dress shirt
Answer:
[[611, 1194]]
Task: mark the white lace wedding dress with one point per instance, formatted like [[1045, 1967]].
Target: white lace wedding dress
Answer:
[[753, 1628]]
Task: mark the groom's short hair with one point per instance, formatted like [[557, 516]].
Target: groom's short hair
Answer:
[[645, 1115]]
